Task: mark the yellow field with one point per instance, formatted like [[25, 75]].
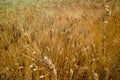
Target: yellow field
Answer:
[[61, 41]]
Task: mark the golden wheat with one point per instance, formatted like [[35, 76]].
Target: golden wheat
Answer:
[[60, 41]]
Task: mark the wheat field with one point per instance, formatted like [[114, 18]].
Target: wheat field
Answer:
[[60, 40]]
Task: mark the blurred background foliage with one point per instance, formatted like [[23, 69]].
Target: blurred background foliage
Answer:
[[8, 6]]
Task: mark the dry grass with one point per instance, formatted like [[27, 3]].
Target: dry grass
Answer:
[[60, 41]]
